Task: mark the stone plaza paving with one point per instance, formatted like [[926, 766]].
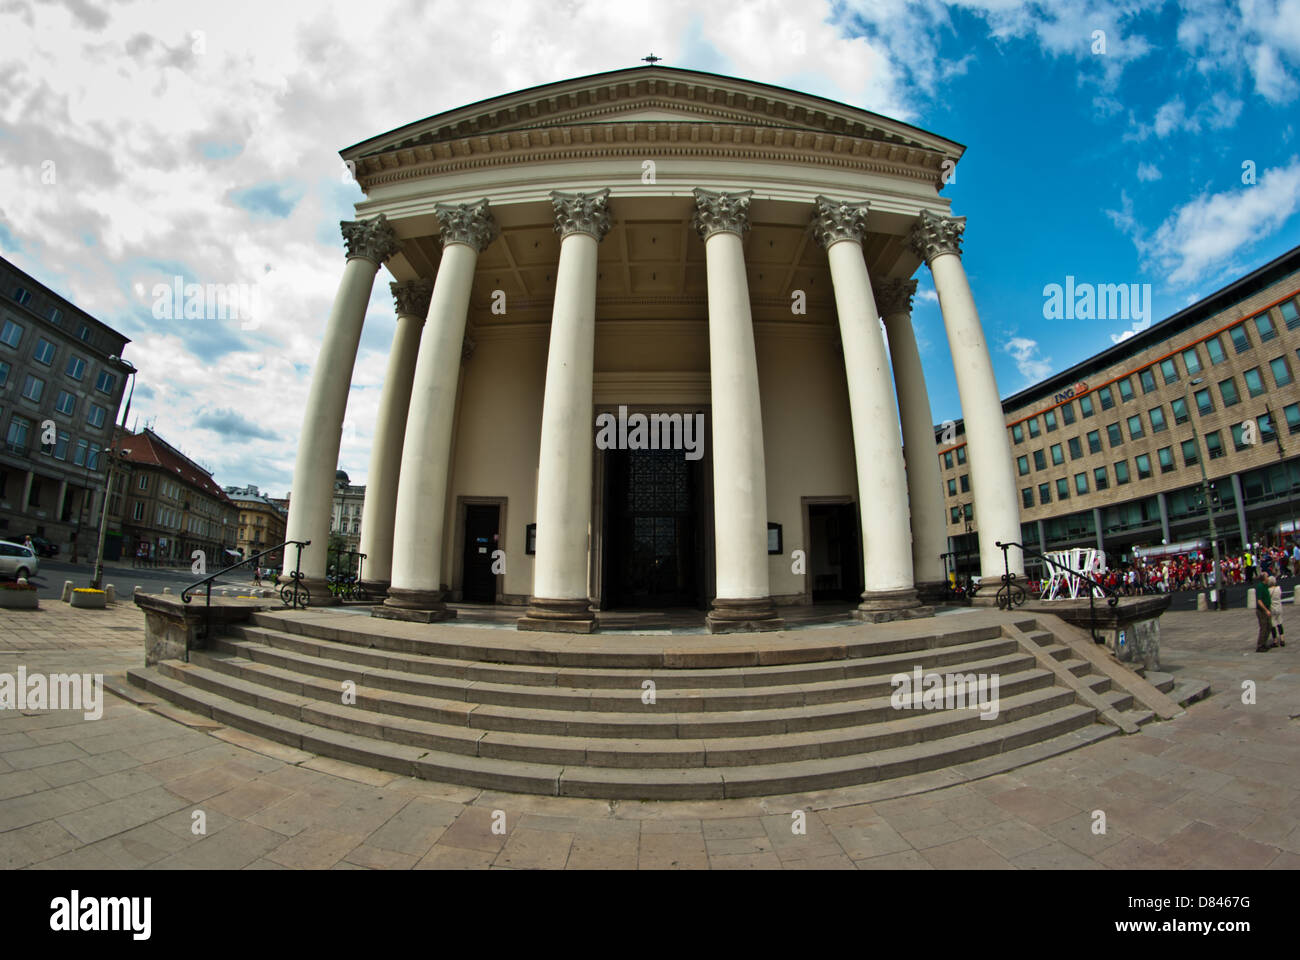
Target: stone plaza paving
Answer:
[[1218, 787]]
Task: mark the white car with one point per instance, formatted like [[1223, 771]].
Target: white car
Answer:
[[17, 560]]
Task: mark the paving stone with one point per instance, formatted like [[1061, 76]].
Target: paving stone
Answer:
[[247, 799], [22, 782], [1077, 832], [1011, 838], [416, 827], [690, 827], [473, 831], [31, 844], [864, 841], [1213, 847], [374, 858], [1034, 806], [904, 860], [123, 783], [604, 851], [118, 816], [233, 848], [455, 858], [745, 861], [1056, 856], [739, 827], [934, 834], [672, 852], [315, 848], [968, 854], [70, 771], [30, 757], [535, 849]]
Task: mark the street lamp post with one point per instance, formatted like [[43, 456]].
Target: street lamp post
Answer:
[[1209, 504], [96, 581]]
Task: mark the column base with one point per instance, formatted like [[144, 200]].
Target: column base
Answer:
[[881, 606], [743, 616], [416, 606], [933, 592], [318, 592], [557, 616], [986, 593], [376, 589]]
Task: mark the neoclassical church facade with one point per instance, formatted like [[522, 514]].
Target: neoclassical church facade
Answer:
[[718, 271]]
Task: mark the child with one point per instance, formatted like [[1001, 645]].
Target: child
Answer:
[[1275, 597]]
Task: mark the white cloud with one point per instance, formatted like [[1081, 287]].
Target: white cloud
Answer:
[[1031, 365], [1148, 172]]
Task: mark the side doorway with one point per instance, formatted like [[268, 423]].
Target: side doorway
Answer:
[[482, 540], [834, 551]]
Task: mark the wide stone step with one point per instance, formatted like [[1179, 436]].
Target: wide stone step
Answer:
[[630, 699], [704, 782]]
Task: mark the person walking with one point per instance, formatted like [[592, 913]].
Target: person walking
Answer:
[[1275, 609], [1263, 615]]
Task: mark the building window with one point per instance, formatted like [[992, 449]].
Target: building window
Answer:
[[4, 373], [44, 352], [12, 334], [144, 482], [1076, 448], [1080, 483], [965, 488], [1033, 426], [1094, 441], [1106, 397], [1049, 418], [968, 511], [105, 382], [1099, 478], [16, 438], [1062, 489], [1214, 445], [1254, 382], [1067, 414], [1179, 407], [22, 295], [1022, 464], [1192, 361], [1290, 315], [1166, 457], [95, 415], [1214, 347], [1085, 405], [1018, 433], [1264, 327], [1058, 455], [83, 333], [1281, 372], [1169, 370], [138, 513], [952, 485], [1228, 392], [56, 315], [33, 387], [1143, 464], [1266, 433], [1113, 434], [1044, 493], [1039, 462], [61, 448], [79, 458], [961, 454], [1240, 341], [1147, 379], [947, 460], [1125, 390], [76, 368], [1135, 426], [954, 515], [1239, 436], [1121, 473], [1157, 415], [66, 403], [1204, 402], [1292, 414], [1190, 454], [1027, 497]]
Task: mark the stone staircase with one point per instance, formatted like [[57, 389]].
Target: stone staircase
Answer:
[[568, 715]]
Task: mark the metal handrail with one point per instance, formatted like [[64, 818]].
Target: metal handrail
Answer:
[[1012, 595], [293, 594]]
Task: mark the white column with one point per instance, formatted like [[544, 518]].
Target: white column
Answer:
[[559, 600], [743, 600], [882, 481], [416, 592], [369, 243], [379, 511], [924, 482], [937, 240]]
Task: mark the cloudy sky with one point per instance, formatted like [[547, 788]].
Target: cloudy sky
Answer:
[[1115, 142]]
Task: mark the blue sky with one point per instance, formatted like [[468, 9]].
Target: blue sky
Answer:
[[183, 141]]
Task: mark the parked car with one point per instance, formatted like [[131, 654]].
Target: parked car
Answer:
[[17, 560], [44, 548]]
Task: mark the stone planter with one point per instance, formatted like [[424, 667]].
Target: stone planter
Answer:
[[19, 600], [96, 600]]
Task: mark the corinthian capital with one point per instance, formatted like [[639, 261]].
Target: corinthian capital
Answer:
[[467, 223], [582, 213], [412, 297], [933, 235], [374, 240], [839, 220], [895, 296], [717, 212]]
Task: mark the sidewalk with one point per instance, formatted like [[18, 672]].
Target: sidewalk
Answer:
[[1218, 787]]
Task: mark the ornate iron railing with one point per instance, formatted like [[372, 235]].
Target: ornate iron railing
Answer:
[[1012, 594], [343, 583]]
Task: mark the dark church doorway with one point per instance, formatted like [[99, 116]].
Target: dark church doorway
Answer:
[[482, 538], [834, 554]]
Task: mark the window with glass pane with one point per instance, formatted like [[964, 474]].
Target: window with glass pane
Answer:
[[1018, 433], [1081, 483], [1121, 473], [1169, 370], [79, 458], [12, 334], [1022, 464], [1099, 478], [1214, 347], [1254, 382], [967, 511], [44, 352], [1040, 462], [1106, 397], [1135, 426], [1166, 457], [1192, 361], [1266, 432], [965, 483], [1179, 407], [1214, 444], [1067, 414], [66, 403], [1085, 405], [1125, 389], [952, 487], [4, 373], [1204, 403], [1292, 414], [1027, 497], [1281, 372], [947, 460], [1049, 418], [1190, 455], [61, 448], [1239, 436], [1264, 327], [1044, 493], [1143, 464], [1148, 380], [1062, 489], [1076, 448], [1094, 441], [1058, 455], [1033, 426], [1228, 392], [33, 387], [1240, 340], [1290, 314], [1114, 435], [1157, 415]]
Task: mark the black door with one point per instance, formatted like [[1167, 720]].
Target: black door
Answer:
[[481, 539], [834, 560], [652, 535]]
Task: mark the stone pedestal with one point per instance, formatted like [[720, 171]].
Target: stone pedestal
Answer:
[[558, 616], [1130, 629]]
